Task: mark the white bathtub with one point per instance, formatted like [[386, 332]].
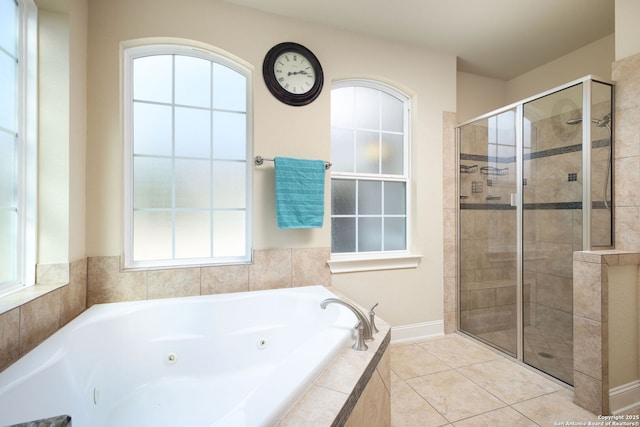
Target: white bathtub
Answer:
[[221, 360]]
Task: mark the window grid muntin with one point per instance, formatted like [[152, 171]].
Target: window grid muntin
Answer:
[[383, 215], [173, 209]]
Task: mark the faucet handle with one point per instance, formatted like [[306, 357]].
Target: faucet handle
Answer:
[[372, 319], [359, 345]]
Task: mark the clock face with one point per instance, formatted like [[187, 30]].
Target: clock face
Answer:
[[294, 73]]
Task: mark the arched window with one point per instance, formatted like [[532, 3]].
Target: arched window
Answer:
[[370, 172], [187, 140]]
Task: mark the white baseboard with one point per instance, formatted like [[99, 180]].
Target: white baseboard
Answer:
[[417, 331], [622, 399]]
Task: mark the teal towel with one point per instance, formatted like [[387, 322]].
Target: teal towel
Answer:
[[299, 192]]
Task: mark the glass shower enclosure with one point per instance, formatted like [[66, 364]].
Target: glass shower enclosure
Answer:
[[535, 185]]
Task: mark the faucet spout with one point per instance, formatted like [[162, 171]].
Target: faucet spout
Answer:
[[367, 332]]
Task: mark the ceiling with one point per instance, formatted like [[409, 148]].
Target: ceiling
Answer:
[[494, 38]]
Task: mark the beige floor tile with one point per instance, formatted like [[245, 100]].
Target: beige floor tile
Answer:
[[413, 361], [554, 407], [500, 417], [409, 409], [509, 381], [457, 351], [454, 396], [476, 389]]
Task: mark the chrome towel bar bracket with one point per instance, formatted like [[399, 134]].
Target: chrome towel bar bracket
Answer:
[[259, 160]]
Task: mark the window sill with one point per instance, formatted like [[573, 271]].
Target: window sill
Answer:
[[25, 295], [352, 264]]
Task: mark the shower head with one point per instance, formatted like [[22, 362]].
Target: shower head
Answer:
[[603, 122]]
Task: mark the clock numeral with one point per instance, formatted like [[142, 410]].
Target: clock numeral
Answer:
[[281, 79]]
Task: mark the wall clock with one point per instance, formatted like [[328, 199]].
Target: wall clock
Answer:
[[292, 74]]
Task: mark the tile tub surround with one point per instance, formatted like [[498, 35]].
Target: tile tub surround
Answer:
[[29, 316], [270, 269], [591, 324], [63, 291], [354, 389]]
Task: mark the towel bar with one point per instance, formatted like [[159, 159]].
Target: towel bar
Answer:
[[258, 160]]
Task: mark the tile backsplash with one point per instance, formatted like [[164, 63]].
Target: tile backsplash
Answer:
[[271, 269], [28, 324]]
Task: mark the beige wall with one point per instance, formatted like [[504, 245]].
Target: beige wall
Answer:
[[624, 324], [77, 127], [479, 95], [62, 130], [594, 58], [405, 296], [627, 28], [53, 147]]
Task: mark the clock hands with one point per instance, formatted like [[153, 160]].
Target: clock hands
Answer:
[[293, 73]]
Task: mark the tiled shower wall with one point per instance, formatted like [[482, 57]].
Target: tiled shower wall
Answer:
[[590, 317], [73, 288], [553, 185], [591, 367]]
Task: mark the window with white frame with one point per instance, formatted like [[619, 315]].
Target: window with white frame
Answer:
[[18, 130], [370, 171], [187, 125]]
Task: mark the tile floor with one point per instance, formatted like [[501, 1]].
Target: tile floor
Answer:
[[545, 350], [454, 381]]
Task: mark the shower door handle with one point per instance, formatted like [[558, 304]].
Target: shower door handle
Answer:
[[514, 199]]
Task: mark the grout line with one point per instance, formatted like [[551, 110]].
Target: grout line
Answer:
[[456, 369]]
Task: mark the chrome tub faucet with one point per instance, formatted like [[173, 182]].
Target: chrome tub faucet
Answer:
[[363, 327]]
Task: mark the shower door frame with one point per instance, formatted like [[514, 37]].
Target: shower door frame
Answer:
[[517, 198]]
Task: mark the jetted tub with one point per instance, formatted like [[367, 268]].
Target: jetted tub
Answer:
[[221, 360]]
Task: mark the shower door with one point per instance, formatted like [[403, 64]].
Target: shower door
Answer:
[[552, 228], [566, 208], [534, 186], [488, 224]]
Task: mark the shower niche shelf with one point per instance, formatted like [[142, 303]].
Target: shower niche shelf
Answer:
[[493, 171], [468, 168]]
